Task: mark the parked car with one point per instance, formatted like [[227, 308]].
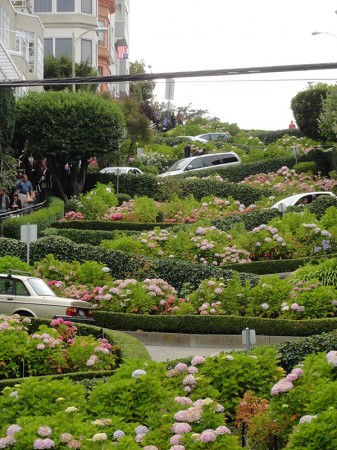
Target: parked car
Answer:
[[213, 136], [30, 296], [210, 160], [122, 170], [301, 199], [193, 138]]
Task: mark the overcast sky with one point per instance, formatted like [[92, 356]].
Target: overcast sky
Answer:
[[183, 35]]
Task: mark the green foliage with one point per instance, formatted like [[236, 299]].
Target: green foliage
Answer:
[[325, 272], [96, 203], [307, 107], [13, 262], [122, 198], [145, 210], [319, 206], [7, 118], [43, 218], [306, 167], [73, 127], [62, 68]]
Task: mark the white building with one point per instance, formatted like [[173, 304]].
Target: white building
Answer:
[[21, 43]]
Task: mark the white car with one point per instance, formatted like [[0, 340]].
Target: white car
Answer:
[[30, 296], [193, 138], [208, 161], [121, 170], [213, 136], [300, 199]]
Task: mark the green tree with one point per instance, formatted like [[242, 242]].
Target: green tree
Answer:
[[137, 125], [141, 90], [7, 122], [7, 118], [328, 117], [62, 68], [68, 127], [307, 107]]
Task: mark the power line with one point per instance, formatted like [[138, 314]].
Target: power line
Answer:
[[165, 75]]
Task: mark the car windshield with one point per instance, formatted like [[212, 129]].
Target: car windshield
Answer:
[[40, 287], [179, 165]]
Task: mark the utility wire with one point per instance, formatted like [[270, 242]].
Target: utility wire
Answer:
[[169, 75]]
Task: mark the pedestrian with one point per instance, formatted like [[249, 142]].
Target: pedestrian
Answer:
[[180, 118], [4, 201], [165, 124], [292, 125], [187, 151], [25, 189], [173, 121], [15, 202]]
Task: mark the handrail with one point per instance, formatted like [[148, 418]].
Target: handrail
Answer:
[[22, 211]]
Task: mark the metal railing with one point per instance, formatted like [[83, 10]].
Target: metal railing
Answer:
[[22, 211]]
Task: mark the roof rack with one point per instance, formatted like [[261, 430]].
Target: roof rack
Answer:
[[11, 271]]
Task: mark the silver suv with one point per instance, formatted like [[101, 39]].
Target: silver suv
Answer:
[[208, 161], [27, 295]]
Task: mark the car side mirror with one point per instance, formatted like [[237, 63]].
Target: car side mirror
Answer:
[[189, 167]]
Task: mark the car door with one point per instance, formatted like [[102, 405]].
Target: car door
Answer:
[[7, 297]]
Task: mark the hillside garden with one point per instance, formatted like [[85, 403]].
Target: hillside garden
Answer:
[[176, 254]]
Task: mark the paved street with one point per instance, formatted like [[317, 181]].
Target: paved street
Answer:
[[164, 352]]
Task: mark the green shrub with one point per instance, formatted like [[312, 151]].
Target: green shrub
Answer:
[[293, 352], [305, 167], [319, 206], [122, 198], [43, 218]]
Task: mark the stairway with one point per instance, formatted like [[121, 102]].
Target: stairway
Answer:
[[8, 70]]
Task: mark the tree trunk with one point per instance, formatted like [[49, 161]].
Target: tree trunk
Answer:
[[66, 185], [130, 153]]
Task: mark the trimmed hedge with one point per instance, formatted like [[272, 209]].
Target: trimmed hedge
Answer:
[[293, 352], [43, 218], [212, 324], [95, 237], [122, 265], [250, 220], [105, 225]]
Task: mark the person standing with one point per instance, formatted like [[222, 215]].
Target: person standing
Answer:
[[24, 187], [187, 151], [292, 125], [4, 201], [180, 118]]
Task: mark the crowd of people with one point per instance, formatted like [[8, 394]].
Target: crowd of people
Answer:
[[167, 122], [30, 187]]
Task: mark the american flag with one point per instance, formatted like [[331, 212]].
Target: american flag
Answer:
[[122, 51]]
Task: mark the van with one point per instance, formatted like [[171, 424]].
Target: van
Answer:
[[211, 160]]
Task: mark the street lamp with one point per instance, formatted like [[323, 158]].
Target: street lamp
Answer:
[[74, 40]]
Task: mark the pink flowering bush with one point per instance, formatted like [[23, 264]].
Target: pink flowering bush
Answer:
[[50, 350], [72, 215], [95, 204]]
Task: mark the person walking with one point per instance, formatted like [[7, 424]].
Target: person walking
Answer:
[[187, 151]]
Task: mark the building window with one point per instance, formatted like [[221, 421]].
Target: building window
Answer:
[[63, 46], [4, 27], [86, 51], [86, 6], [65, 5], [101, 34], [119, 13], [43, 6], [48, 47]]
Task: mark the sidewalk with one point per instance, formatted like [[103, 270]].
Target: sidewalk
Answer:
[[167, 346], [161, 353]]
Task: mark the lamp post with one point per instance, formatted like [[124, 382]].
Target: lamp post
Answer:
[[74, 40]]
